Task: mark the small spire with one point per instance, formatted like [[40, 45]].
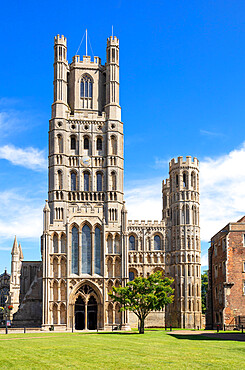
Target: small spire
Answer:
[[21, 253], [15, 249], [46, 207]]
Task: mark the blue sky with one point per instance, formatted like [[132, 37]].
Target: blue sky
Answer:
[[182, 92]]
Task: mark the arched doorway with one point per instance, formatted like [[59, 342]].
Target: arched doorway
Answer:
[[80, 314], [87, 309], [92, 313]]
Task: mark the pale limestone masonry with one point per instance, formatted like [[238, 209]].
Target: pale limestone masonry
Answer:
[[88, 246]]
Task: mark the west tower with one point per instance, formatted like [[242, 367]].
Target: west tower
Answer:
[[84, 246]]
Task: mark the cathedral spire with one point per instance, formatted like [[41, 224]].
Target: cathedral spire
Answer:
[[21, 253], [15, 249]]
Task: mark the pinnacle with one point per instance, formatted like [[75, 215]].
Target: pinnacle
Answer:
[[21, 253], [15, 249]]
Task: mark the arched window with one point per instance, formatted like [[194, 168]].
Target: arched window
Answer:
[[97, 251], [60, 143], [132, 243], [117, 245], [73, 142], [131, 275], [99, 143], [113, 181], [113, 145], [86, 143], [86, 250], [99, 181], [86, 87], [185, 180], [73, 181], [157, 243], [86, 92], [177, 181], [187, 214], [63, 243], [86, 181], [74, 251], [60, 184], [55, 243]]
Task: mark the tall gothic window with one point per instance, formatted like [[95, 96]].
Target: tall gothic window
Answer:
[[55, 243], [86, 91], [157, 243], [73, 142], [86, 143], [113, 145], [97, 251], [73, 181], [74, 251], [99, 144], [86, 181], [86, 250], [132, 243], [113, 181], [60, 143], [60, 184], [99, 181], [63, 243]]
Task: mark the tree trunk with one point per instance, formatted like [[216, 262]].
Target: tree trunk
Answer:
[[142, 326]]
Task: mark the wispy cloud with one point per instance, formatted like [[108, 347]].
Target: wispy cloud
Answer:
[[31, 158], [211, 133]]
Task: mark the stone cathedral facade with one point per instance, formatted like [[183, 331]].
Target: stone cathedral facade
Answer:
[[88, 245]]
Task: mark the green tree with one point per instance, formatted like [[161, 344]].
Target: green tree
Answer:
[[143, 295], [204, 278]]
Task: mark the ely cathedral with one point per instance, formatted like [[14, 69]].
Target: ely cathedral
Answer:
[[88, 244]]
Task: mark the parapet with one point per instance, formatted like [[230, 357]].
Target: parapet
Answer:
[[86, 60], [61, 40], [148, 223], [112, 40], [165, 184], [180, 162]]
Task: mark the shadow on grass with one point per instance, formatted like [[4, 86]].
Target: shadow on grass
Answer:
[[238, 337]]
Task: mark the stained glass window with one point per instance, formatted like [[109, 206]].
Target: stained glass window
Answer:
[[74, 251], [157, 243], [131, 243], [73, 181], [99, 182], [97, 251], [86, 181], [86, 250]]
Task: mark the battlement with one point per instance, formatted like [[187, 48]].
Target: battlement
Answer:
[[60, 40], [165, 184], [180, 162], [112, 40], [143, 223], [86, 60]]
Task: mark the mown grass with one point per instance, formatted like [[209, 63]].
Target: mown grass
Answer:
[[153, 350]]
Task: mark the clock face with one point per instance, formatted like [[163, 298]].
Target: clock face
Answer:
[[85, 161]]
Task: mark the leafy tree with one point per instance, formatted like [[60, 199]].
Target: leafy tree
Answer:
[[143, 295], [204, 278]]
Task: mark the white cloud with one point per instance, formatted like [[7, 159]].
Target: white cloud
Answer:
[[29, 157], [143, 201], [21, 215], [222, 191]]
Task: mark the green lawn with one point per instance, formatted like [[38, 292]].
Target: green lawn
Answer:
[[153, 350]]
